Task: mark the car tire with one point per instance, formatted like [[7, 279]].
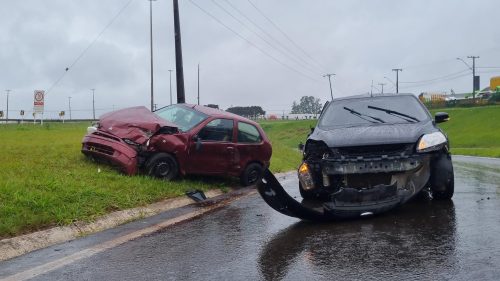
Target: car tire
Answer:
[[163, 166], [447, 194], [306, 194], [252, 174], [442, 181]]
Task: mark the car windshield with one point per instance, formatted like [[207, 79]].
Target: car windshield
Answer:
[[373, 110], [184, 117]]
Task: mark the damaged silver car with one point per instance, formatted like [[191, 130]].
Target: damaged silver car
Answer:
[[367, 155]]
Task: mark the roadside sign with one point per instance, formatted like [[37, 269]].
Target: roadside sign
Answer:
[[61, 113], [1, 113], [22, 113], [38, 101]]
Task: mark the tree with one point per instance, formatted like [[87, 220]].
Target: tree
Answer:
[[247, 111], [307, 105]]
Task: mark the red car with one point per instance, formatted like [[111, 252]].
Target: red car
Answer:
[[180, 139]]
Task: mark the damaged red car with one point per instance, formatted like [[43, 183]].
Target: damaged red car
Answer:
[[180, 139]]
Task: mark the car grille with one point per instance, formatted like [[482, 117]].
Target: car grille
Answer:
[[399, 149], [106, 136], [95, 147]]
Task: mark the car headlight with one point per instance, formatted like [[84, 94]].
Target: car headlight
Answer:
[[431, 142], [305, 177]]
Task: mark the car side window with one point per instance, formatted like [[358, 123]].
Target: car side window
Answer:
[[217, 130], [248, 133]]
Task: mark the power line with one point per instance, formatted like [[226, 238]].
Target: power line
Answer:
[[252, 44], [262, 38], [285, 35], [434, 79], [438, 81], [88, 47], [263, 30]]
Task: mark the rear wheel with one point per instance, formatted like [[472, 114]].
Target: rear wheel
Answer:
[[162, 165], [252, 174]]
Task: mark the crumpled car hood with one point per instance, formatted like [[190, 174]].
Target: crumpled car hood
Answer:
[[372, 135], [135, 123]]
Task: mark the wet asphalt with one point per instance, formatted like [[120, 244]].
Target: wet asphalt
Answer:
[[247, 240]]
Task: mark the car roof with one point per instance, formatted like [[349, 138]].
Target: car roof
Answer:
[[218, 113], [365, 96]]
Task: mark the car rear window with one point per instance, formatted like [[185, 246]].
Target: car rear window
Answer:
[[357, 111], [247, 133]]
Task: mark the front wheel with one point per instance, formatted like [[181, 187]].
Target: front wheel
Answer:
[[442, 178], [252, 174], [162, 165]]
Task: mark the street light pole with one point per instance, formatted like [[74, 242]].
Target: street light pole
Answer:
[[198, 84], [329, 75], [170, 70], [69, 103], [93, 104], [151, 47], [397, 78], [7, 112], [474, 88]]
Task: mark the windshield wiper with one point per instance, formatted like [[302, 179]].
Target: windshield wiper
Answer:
[[360, 115], [395, 113]]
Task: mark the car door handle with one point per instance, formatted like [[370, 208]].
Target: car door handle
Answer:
[[230, 149]]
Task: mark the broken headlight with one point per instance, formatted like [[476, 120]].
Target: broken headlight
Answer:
[[431, 142], [305, 177]]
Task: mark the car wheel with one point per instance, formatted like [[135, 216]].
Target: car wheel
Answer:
[[252, 174], [447, 194], [306, 194], [162, 165], [442, 178]]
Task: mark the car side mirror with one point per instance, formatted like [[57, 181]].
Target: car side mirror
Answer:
[[441, 117], [301, 146]]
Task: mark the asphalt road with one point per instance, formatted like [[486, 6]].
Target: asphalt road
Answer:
[[247, 240]]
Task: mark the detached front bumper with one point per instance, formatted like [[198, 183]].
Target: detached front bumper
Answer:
[[404, 178], [108, 148]]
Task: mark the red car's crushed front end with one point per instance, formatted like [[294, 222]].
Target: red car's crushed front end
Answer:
[[111, 149]]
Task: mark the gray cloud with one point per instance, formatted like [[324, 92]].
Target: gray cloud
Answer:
[[359, 40]]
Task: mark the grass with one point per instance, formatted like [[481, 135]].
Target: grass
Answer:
[[473, 131], [46, 181], [285, 137]]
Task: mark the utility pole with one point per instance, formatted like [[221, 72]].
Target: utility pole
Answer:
[[151, 47], [397, 78], [93, 104], [382, 84], [7, 112], [371, 90], [198, 84], [179, 70], [475, 84], [170, 70], [69, 103], [329, 75]]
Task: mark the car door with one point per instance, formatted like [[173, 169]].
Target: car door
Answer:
[[248, 144], [211, 150]]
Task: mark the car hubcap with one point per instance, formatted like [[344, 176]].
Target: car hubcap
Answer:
[[162, 169], [253, 176]]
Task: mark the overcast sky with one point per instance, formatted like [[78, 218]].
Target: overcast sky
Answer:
[[359, 41]]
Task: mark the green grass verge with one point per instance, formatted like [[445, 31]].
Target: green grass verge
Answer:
[[473, 131]]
